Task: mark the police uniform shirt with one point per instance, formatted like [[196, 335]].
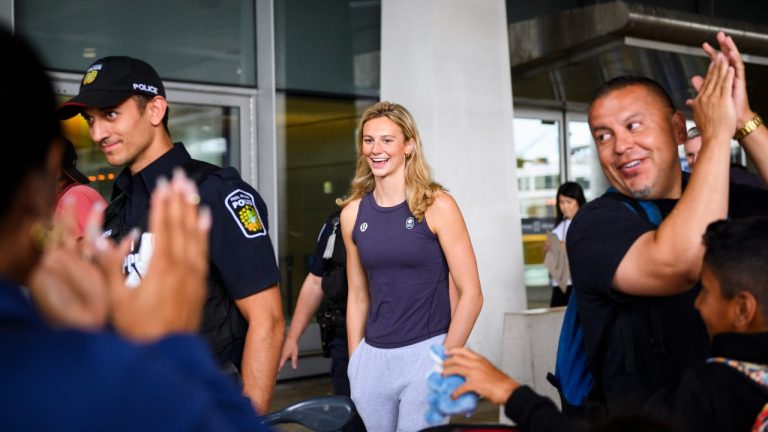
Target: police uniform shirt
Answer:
[[318, 262], [240, 252]]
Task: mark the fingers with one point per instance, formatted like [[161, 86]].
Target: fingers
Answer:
[[697, 82], [711, 52], [67, 223], [110, 259], [93, 241], [464, 388], [181, 216]]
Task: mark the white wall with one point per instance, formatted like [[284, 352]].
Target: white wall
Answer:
[[447, 61]]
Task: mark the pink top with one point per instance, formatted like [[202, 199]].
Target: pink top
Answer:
[[83, 197]]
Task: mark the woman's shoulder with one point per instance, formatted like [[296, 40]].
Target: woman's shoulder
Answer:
[[443, 210], [443, 201], [350, 209]]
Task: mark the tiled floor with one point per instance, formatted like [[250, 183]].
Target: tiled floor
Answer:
[[289, 392]]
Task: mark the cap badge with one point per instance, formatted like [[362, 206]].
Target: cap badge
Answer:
[[90, 74]]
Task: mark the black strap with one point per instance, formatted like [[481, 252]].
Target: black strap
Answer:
[[657, 328]]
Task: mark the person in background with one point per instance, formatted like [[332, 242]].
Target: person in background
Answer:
[[61, 370], [570, 197], [123, 101], [405, 238], [738, 174], [325, 290], [635, 268], [73, 186], [692, 146]]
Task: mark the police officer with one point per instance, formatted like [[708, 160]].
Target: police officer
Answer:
[[325, 292], [123, 101]]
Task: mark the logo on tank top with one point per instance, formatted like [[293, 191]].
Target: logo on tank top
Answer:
[[363, 226], [409, 223]]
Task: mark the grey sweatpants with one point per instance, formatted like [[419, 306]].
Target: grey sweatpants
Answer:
[[389, 386]]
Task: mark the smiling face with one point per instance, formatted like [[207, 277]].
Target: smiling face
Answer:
[[126, 133], [636, 135], [384, 147]]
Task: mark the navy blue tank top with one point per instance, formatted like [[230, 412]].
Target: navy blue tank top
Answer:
[[407, 275]]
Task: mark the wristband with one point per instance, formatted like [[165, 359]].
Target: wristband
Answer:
[[748, 128]]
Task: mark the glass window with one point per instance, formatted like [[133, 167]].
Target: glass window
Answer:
[[317, 147], [330, 46], [210, 41], [207, 132], [584, 167], [537, 145]]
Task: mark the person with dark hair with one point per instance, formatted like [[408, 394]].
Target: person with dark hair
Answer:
[[65, 379], [123, 101], [569, 199], [635, 262], [73, 186], [727, 392], [730, 390]]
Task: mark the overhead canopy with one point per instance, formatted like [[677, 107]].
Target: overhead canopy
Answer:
[[560, 59]]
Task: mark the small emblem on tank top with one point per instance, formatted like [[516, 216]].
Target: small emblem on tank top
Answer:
[[409, 223], [363, 226]]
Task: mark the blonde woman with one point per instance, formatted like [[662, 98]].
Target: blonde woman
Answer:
[[404, 235]]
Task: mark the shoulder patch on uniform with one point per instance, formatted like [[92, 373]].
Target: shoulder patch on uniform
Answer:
[[243, 208]]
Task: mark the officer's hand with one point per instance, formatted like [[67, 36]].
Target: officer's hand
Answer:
[[69, 286], [290, 351], [170, 298]]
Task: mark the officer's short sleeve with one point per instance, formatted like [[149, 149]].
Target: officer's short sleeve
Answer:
[[318, 263], [598, 239], [240, 247]]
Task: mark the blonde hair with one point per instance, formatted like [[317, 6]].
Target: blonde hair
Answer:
[[420, 189]]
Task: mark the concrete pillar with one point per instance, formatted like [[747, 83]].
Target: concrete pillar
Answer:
[[529, 349], [447, 61]]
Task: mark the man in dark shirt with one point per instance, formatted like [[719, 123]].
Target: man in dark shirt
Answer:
[[630, 275], [123, 101], [635, 283]]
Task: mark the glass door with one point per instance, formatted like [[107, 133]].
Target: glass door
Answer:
[[213, 127], [537, 138]]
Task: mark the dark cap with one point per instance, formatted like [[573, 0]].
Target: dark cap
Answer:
[[69, 163], [111, 80]]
